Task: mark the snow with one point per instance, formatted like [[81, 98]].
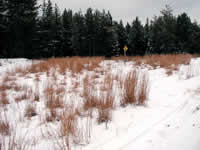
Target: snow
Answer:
[[169, 121]]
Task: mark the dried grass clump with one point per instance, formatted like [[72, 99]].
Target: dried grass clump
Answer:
[[104, 107], [52, 100], [36, 96], [94, 62], [16, 87], [52, 115], [4, 99], [25, 95], [69, 126], [4, 128], [5, 85], [90, 101], [22, 70], [168, 61], [30, 111], [143, 89], [14, 142], [108, 82], [130, 87]]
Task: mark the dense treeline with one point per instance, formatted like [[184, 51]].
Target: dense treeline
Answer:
[[27, 33]]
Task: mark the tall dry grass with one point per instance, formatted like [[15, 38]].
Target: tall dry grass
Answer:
[[130, 87], [105, 107], [136, 88], [90, 101], [4, 98], [69, 126], [168, 61], [15, 142], [53, 100], [74, 64], [5, 128], [143, 89], [30, 111]]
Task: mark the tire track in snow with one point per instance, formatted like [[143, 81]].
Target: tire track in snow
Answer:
[[102, 145]]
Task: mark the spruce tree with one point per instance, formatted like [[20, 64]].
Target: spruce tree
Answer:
[[122, 36], [183, 32], [3, 29], [147, 37], [136, 40], [79, 36], [67, 33], [22, 22]]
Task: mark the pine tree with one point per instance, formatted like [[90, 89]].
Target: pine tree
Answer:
[[147, 37], [122, 36], [79, 36], [67, 33], [90, 26], [183, 32], [22, 22], [3, 29], [137, 38]]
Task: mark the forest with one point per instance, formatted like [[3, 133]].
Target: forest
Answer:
[[30, 30]]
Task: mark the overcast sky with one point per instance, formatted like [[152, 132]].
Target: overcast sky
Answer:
[[127, 10]]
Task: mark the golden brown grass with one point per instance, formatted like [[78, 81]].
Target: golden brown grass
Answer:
[[108, 82], [4, 99], [75, 64], [30, 111], [105, 107], [5, 85], [89, 100], [52, 100], [130, 87], [143, 89], [52, 115], [14, 142], [69, 126], [26, 93], [169, 61], [4, 127]]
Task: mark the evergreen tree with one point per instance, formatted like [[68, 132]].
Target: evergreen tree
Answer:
[[90, 32], [163, 36], [3, 29], [97, 32], [183, 32], [193, 42], [79, 36], [22, 22], [122, 36], [147, 37], [67, 33], [137, 38]]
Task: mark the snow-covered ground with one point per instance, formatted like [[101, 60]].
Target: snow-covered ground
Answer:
[[170, 120]]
